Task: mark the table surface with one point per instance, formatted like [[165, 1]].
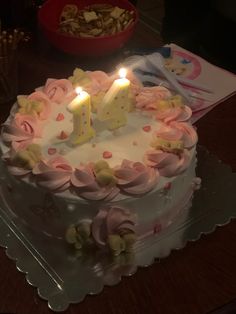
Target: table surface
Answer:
[[197, 279]]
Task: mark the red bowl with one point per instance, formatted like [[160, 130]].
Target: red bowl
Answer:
[[48, 18]]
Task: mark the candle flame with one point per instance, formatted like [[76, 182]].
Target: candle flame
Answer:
[[78, 90], [122, 73]]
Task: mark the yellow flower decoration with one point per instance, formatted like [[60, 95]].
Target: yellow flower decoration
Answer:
[[79, 235], [29, 157], [104, 174], [174, 147], [173, 102], [123, 242], [79, 78], [28, 106]]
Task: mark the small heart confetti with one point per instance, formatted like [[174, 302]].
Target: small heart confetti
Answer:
[[157, 228], [52, 151], [107, 154], [147, 128], [62, 135], [167, 186], [60, 117]]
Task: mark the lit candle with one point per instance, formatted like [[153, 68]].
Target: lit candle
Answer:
[[116, 102], [80, 107]]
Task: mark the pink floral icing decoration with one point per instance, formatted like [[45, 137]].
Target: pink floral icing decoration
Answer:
[[111, 221], [174, 114], [43, 99], [178, 131], [85, 184], [148, 97], [58, 90], [100, 81], [189, 135], [135, 178], [21, 131], [54, 174], [169, 133], [168, 164]]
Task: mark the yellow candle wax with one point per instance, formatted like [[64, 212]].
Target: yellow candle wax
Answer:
[[80, 107], [115, 102]]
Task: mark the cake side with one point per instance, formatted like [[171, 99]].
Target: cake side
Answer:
[[53, 213]]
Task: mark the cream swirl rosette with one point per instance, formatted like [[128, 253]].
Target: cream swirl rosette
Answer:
[[89, 187], [149, 97], [114, 227], [168, 164], [54, 174], [21, 131], [135, 178], [58, 90]]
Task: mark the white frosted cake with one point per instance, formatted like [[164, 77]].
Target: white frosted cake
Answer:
[[106, 167]]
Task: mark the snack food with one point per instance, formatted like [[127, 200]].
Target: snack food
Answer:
[[94, 20], [120, 186]]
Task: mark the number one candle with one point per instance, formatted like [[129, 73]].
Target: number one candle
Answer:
[[80, 107], [116, 102]]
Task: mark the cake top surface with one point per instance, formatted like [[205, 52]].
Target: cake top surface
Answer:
[[108, 139]]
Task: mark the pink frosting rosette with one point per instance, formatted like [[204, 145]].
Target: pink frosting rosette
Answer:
[[135, 178], [21, 131], [43, 99], [168, 164], [58, 90], [148, 97], [85, 184], [100, 81], [169, 133], [54, 174], [174, 114], [111, 221], [175, 131], [189, 135]]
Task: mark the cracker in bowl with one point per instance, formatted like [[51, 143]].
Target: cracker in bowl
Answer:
[[95, 20]]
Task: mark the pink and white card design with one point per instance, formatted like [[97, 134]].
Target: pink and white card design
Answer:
[[211, 84]]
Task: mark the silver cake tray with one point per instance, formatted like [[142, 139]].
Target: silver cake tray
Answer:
[[63, 276]]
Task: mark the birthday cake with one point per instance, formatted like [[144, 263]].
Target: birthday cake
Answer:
[[105, 166]]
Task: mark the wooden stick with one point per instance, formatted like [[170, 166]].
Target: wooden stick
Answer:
[[15, 38], [22, 34], [4, 34], [4, 43], [9, 47]]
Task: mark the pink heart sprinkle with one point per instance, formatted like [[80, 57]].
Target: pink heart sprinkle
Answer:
[[60, 117], [147, 128], [167, 186], [62, 135], [157, 228], [107, 154], [52, 151]]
